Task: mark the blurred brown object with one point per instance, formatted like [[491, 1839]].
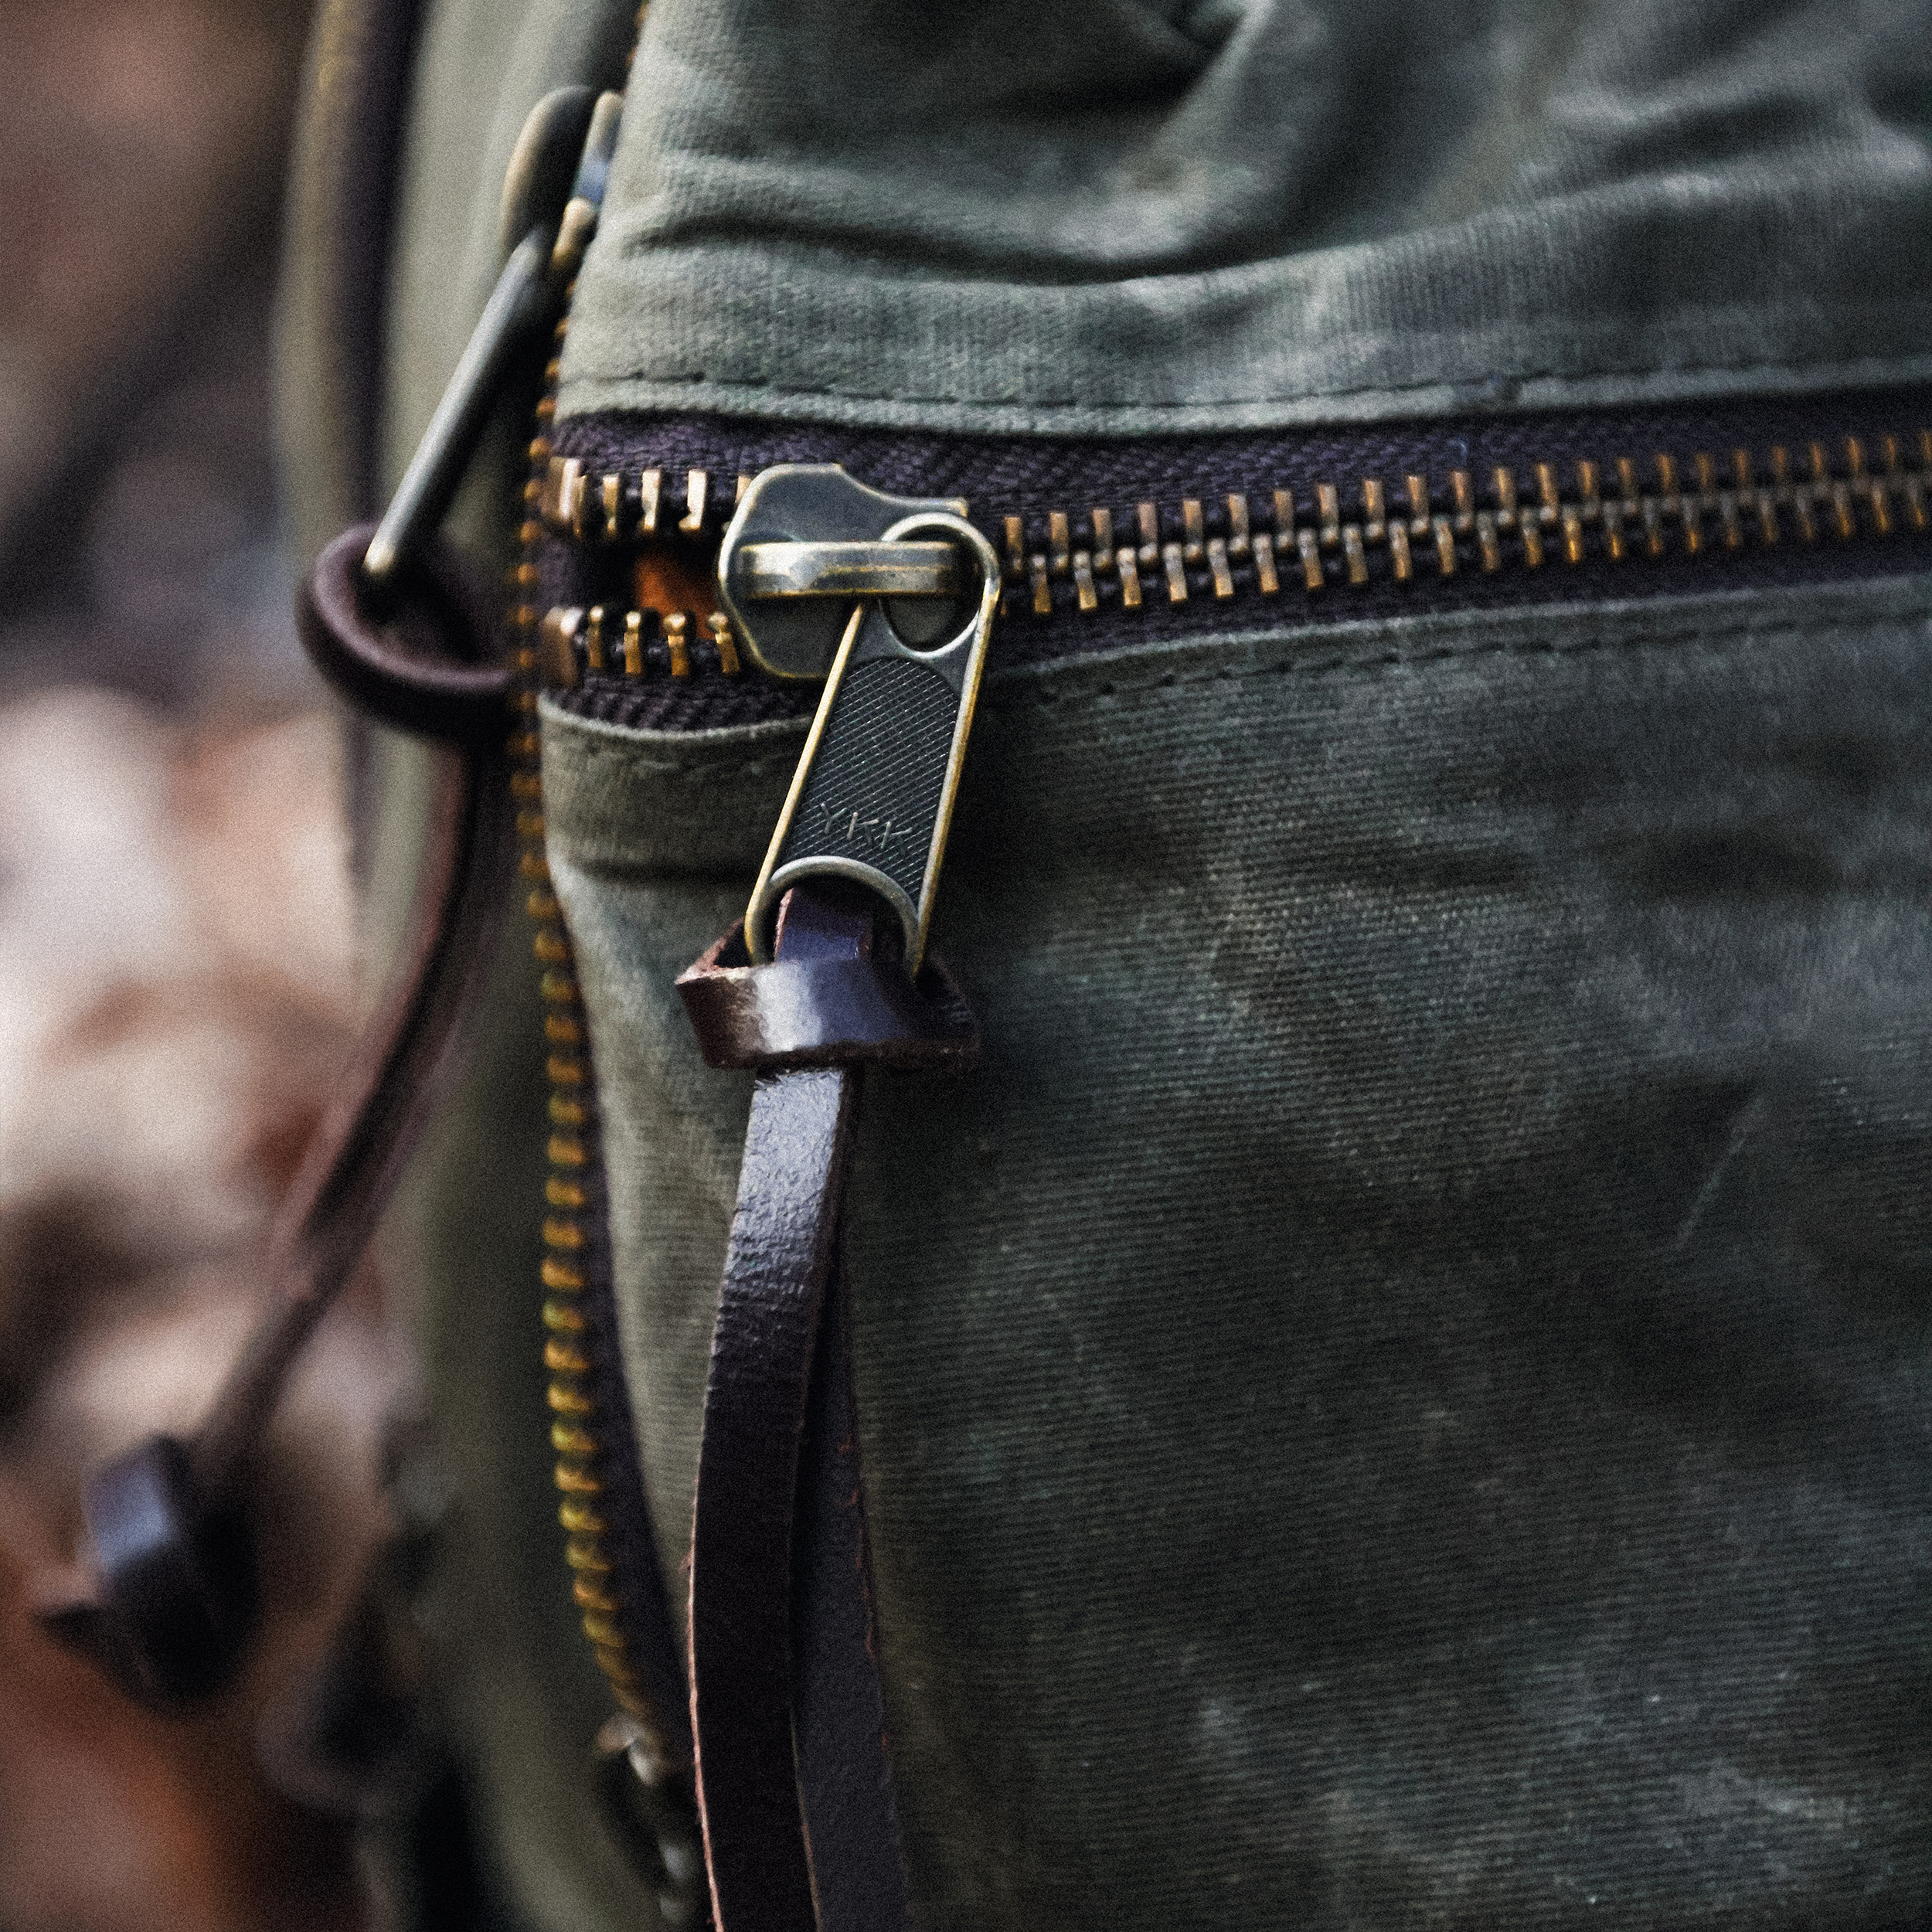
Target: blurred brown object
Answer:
[[176, 975], [142, 145], [141, 159], [178, 981]]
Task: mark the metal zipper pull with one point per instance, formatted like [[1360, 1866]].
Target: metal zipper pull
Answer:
[[527, 295], [873, 796]]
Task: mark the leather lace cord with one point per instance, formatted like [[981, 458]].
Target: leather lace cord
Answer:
[[838, 1706], [366, 1137], [173, 1596], [795, 1787]]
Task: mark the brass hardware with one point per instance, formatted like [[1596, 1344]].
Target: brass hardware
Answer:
[[1266, 580], [1328, 503], [850, 570], [1238, 536], [1617, 509], [1148, 517], [675, 624], [697, 485], [873, 796], [1193, 546], [1375, 515], [726, 645], [802, 524], [556, 648], [1549, 504], [562, 480], [1505, 486], [547, 647]]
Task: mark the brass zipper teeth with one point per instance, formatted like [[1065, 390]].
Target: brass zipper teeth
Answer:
[[1260, 544], [1234, 545], [574, 641], [570, 1346], [626, 506]]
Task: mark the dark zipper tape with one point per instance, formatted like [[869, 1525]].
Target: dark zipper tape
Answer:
[[1031, 479]]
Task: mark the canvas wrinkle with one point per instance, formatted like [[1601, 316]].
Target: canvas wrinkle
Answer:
[[1683, 200]]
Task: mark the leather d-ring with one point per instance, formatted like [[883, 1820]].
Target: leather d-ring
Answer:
[[375, 646]]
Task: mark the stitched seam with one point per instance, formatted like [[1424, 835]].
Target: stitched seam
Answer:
[[767, 386], [1702, 640]]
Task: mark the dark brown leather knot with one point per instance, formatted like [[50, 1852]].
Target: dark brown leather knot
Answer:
[[408, 656], [826, 1012]]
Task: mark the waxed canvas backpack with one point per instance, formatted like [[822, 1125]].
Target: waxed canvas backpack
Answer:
[[1324, 1324]]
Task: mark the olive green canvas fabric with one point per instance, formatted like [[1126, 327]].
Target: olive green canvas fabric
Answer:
[[1166, 215], [1397, 1393], [1396, 1396]]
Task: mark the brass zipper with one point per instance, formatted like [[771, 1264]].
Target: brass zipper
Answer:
[[1262, 544], [570, 1346]]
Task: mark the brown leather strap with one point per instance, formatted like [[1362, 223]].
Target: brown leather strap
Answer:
[[409, 658], [838, 1704], [365, 1139], [797, 1151], [171, 1601]]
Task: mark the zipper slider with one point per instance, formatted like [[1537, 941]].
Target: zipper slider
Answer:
[[872, 798]]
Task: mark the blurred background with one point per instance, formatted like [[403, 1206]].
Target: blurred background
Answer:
[[178, 982]]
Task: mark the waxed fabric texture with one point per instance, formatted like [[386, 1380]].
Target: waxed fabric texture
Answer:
[[1398, 1392], [1316, 323], [1140, 216]]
